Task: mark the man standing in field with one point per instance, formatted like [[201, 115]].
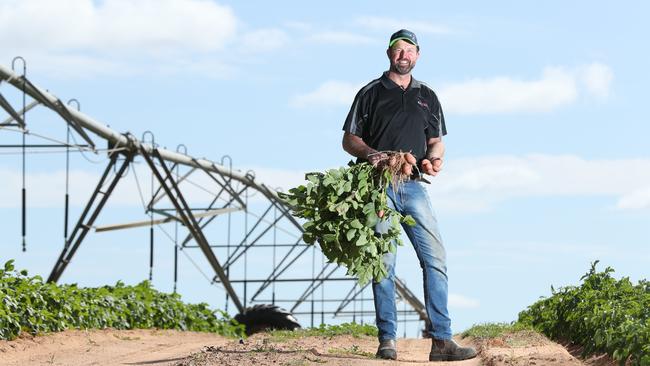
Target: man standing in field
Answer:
[[399, 113]]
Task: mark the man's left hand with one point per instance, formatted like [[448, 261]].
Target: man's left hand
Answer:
[[432, 166]]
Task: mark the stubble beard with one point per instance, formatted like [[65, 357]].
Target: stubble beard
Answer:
[[402, 69]]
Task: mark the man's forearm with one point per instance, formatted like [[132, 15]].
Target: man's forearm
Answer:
[[435, 149], [355, 146]]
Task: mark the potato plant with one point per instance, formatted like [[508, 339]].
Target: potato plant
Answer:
[[341, 207], [28, 304], [602, 315]]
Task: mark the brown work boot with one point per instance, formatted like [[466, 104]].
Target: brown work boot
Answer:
[[448, 350], [387, 350]]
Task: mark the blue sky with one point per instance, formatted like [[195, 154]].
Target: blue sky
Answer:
[[547, 165]]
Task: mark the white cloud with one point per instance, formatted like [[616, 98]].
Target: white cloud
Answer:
[[557, 87], [540, 253], [462, 302], [116, 25], [597, 79], [84, 37], [47, 188], [639, 199], [340, 38], [330, 93], [391, 25], [477, 184]]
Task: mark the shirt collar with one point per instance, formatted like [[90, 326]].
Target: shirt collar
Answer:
[[390, 84]]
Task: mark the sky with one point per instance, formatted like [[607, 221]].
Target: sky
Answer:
[[547, 166]]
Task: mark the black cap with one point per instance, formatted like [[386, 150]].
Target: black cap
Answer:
[[405, 35]]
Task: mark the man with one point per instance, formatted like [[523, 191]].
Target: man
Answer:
[[399, 113]]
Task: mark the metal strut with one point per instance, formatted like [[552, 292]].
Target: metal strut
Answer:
[[24, 126], [4, 103], [85, 224], [9, 121], [185, 213]]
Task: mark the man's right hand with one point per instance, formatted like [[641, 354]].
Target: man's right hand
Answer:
[[376, 157]]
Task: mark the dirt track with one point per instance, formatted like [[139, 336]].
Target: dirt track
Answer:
[[156, 347]]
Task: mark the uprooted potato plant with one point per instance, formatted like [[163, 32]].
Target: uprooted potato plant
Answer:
[[342, 206]]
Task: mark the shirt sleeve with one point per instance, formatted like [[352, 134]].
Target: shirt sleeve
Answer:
[[438, 128], [355, 123]]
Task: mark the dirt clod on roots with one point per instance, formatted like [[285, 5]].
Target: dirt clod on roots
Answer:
[[399, 164]]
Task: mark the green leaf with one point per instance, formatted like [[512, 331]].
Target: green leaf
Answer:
[[342, 208], [368, 208], [409, 220], [356, 224], [308, 225], [9, 265], [362, 240], [350, 234], [371, 219], [329, 238]]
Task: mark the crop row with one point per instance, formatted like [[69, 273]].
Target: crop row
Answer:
[[28, 304], [603, 314]]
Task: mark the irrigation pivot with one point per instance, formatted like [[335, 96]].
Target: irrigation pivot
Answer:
[[310, 292]]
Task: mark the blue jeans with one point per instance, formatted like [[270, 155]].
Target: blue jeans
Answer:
[[411, 198]]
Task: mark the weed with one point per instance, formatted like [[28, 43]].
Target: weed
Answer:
[[505, 334], [352, 329], [494, 330]]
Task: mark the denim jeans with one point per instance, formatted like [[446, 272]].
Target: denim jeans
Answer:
[[411, 198]]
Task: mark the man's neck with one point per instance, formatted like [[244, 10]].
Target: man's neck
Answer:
[[402, 80]]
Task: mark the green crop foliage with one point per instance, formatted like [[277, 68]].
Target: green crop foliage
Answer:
[[342, 207], [494, 330], [27, 304], [602, 314]]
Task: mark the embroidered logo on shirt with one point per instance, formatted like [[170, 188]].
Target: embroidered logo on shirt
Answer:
[[423, 104]]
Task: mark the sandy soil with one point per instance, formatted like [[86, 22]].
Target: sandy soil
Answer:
[[106, 347], [157, 347]]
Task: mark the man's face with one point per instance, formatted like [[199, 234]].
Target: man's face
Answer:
[[403, 57]]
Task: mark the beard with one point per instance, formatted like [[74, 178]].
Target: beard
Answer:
[[402, 69]]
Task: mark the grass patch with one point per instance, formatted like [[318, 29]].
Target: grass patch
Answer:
[[329, 331], [494, 330], [505, 335]]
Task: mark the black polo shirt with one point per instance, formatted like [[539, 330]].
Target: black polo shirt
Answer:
[[386, 117]]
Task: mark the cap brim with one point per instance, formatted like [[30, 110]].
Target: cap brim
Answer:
[[402, 38]]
